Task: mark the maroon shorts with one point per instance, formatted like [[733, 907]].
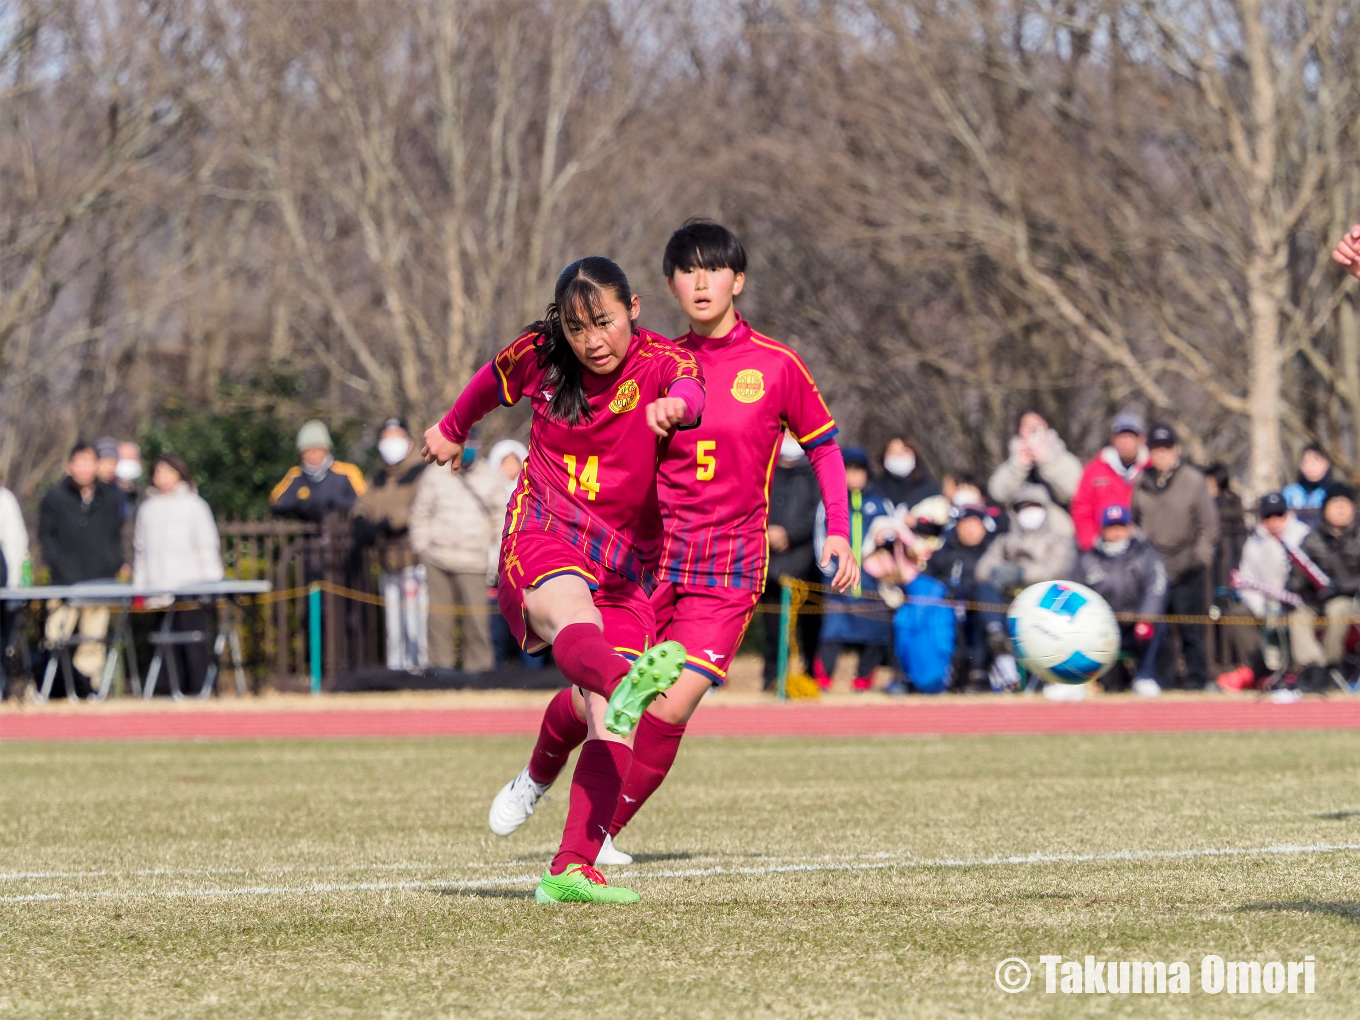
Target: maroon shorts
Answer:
[[528, 558], [709, 622]]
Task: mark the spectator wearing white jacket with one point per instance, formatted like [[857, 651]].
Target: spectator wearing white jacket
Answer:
[[175, 544], [13, 539], [1038, 456]]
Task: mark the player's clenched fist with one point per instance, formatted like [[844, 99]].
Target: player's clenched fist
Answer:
[[666, 413], [1347, 251], [440, 449]]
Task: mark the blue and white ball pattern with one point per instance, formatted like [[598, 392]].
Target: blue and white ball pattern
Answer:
[[1063, 632]]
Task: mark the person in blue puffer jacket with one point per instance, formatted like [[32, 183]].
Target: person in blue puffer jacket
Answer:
[[850, 619], [1306, 496]]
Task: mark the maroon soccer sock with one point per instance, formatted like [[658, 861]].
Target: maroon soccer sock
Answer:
[[587, 660], [654, 750], [561, 732], [594, 796]]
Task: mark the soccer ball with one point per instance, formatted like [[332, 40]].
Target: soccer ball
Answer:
[[1063, 632]]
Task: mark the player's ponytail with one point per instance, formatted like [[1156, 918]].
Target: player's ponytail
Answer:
[[580, 292]]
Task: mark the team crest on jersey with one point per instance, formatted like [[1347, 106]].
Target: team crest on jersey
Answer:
[[625, 397], [749, 386]]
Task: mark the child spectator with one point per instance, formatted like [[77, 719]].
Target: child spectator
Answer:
[[1306, 495]]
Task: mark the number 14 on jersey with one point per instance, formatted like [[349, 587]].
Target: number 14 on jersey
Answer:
[[588, 480]]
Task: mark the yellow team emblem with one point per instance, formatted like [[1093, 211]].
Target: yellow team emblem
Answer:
[[625, 397], [749, 386]]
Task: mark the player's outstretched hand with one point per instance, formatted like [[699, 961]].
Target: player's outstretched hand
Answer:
[[1347, 251], [664, 413], [847, 570], [440, 449]]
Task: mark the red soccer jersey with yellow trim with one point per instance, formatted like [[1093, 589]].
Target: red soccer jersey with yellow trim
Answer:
[[594, 484], [715, 481]]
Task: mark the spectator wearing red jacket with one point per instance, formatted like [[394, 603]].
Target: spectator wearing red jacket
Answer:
[[1108, 479]]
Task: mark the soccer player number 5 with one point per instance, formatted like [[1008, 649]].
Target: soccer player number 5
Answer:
[[590, 475], [703, 453]]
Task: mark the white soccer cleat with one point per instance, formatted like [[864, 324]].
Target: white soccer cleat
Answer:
[[515, 803], [611, 855]]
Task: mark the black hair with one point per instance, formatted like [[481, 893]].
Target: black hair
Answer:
[[1031, 410], [1218, 471], [80, 446], [578, 295], [177, 464], [703, 244], [1316, 448]]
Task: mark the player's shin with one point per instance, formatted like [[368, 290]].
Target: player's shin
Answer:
[[561, 732], [654, 749], [595, 786]]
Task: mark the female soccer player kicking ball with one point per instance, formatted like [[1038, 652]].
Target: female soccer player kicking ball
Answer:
[[714, 488], [584, 530]]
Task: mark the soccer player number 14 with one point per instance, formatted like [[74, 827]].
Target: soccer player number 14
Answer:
[[703, 453], [589, 479]]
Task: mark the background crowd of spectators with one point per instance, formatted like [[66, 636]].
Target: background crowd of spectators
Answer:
[[1152, 533]]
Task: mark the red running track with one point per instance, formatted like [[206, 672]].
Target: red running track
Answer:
[[929, 718]]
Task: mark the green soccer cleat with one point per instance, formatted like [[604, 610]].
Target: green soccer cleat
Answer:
[[581, 883], [653, 672]]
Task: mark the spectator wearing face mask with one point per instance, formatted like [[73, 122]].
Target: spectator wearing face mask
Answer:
[[794, 497], [905, 482], [319, 484], [1108, 479], [849, 619], [382, 519], [961, 489], [1036, 549], [1038, 456], [1306, 495], [1125, 570]]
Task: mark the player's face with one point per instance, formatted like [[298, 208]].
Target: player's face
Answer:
[[600, 339], [705, 295]]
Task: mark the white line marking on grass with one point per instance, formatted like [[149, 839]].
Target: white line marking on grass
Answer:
[[454, 885]]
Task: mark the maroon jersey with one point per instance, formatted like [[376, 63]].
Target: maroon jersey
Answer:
[[594, 484], [715, 481]]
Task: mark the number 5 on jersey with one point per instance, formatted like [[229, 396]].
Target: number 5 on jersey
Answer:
[[589, 479], [703, 454]]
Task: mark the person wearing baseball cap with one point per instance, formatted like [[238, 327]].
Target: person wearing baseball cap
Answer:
[[1263, 569], [1108, 478], [1327, 577], [1173, 507], [1124, 568]]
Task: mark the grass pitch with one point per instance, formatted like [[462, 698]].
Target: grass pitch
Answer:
[[781, 878]]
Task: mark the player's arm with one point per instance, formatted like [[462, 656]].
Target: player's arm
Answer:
[[1347, 251], [829, 467], [810, 421], [682, 404], [498, 382]]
